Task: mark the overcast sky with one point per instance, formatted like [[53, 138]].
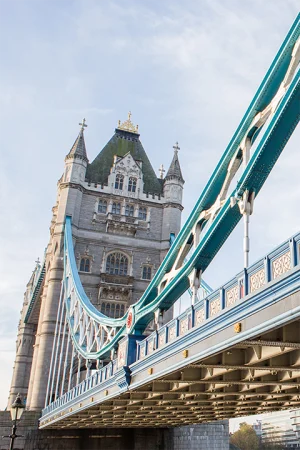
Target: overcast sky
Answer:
[[186, 70]]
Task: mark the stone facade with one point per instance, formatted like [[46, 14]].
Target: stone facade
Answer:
[[122, 217]]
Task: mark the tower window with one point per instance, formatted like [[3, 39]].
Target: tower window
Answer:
[[129, 210], [132, 184], [85, 265], [119, 182], [102, 206], [117, 264], [116, 208], [143, 213], [113, 310], [122, 310], [147, 273]]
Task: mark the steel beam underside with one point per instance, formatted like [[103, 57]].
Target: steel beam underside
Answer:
[[206, 376]]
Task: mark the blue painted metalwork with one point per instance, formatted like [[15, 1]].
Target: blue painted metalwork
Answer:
[[265, 264], [205, 287], [78, 304], [277, 285], [39, 281], [215, 214]]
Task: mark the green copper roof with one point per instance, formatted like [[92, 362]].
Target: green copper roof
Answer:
[[120, 144]]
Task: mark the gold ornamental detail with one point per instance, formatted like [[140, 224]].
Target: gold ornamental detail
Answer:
[[128, 125]]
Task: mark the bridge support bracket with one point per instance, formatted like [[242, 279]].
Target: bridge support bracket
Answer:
[[123, 378]]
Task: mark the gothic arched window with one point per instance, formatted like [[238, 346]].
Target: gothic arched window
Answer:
[[129, 210], [112, 310], [132, 184], [119, 182], [117, 264], [85, 265], [102, 206], [116, 208], [122, 310], [143, 213], [147, 272]]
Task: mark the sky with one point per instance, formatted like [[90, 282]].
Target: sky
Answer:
[[186, 70]]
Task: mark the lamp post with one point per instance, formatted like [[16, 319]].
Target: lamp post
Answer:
[[16, 412]]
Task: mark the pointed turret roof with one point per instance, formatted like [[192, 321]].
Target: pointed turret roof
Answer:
[[174, 169], [78, 149], [125, 140]]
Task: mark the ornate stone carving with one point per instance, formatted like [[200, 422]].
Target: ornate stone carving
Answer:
[[172, 333], [184, 326], [232, 295], [214, 307], [142, 351], [150, 346], [281, 264], [200, 317], [257, 280], [162, 339], [122, 353]]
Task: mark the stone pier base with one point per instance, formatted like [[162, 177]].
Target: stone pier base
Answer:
[[207, 436], [210, 436]]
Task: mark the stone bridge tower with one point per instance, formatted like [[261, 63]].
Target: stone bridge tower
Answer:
[[123, 216]]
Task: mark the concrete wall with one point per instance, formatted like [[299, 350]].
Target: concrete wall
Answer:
[[211, 436]]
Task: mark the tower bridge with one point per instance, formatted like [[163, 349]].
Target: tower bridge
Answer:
[[97, 343], [237, 352]]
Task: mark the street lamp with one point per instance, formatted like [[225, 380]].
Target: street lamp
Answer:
[[16, 412]]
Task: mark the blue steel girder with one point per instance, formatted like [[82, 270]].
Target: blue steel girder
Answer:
[[280, 128], [216, 213]]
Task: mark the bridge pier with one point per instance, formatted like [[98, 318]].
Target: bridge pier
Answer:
[[208, 436]]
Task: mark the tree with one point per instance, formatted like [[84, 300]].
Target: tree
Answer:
[[268, 445], [245, 438]]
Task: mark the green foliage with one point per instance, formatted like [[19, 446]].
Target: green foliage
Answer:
[[271, 446], [245, 438]]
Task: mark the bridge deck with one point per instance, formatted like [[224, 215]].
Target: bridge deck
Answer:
[[243, 360]]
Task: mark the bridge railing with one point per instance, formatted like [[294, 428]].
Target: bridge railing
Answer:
[[97, 378], [257, 276], [239, 289]]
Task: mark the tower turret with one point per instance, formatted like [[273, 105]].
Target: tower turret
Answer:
[[76, 160], [69, 200], [24, 343], [173, 187]]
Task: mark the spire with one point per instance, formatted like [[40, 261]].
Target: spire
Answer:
[[78, 148], [174, 169], [161, 172]]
